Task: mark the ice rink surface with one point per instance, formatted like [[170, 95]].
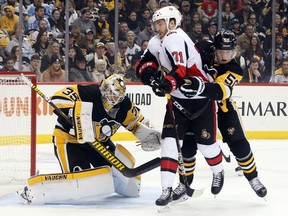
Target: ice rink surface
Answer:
[[236, 198]]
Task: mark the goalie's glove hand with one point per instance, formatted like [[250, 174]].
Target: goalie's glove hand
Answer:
[[193, 86], [210, 71], [166, 85]]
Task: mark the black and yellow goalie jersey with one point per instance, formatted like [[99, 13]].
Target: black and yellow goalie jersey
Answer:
[[225, 78], [105, 123]]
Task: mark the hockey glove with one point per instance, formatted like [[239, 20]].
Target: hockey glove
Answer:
[[147, 72], [210, 71], [167, 85], [193, 86]]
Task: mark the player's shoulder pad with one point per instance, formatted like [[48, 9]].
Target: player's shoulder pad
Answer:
[[234, 67]]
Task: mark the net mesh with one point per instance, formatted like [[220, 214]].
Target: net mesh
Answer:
[[15, 129]]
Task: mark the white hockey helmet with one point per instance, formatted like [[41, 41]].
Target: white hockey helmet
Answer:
[[113, 89], [168, 13]]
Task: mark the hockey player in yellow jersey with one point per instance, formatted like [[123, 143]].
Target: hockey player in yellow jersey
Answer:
[[226, 73], [96, 112]]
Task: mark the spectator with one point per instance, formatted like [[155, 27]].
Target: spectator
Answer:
[[146, 33], [54, 73], [124, 63], [236, 28], [42, 26], [196, 33], [212, 30], [106, 36], [236, 5], [84, 21], [57, 24], [80, 73], [281, 43], [144, 18], [8, 19], [255, 51], [101, 22], [15, 55], [88, 44], [257, 6], [242, 15], [93, 6], [258, 30], [186, 16], [122, 17], [73, 15], [77, 35], [9, 65], [240, 59], [4, 39], [209, 11], [244, 39], [41, 44], [132, 22], [15, 4], [32, 8], [132, 47], [227, 16], [123, 29], [268, 64], [254, 73], [163, 3], [100, 72], [71, 57], [34, 66], [268, 41], [34, 20], [53, 49], [27, 49], [110, 55], [281, 74]]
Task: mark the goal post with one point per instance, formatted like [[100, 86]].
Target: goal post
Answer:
[[17, 127]]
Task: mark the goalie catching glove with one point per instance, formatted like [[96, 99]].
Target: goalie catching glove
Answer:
[[193, 86], [150, 139]]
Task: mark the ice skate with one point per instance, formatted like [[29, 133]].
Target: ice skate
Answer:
[[179, 193], [24, 196], [164, 201], [217, 183], [258, 187]]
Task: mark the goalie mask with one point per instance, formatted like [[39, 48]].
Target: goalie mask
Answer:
[[113, 90], [225, 44]]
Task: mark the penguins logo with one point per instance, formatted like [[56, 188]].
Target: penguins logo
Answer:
[[205, 134], [231, 131]]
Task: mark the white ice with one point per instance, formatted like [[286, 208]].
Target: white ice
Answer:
[[235, 199]]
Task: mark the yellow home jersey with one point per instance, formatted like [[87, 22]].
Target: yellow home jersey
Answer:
[[226, 77], [105, 123]]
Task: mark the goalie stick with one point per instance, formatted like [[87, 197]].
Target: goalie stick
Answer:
[[97, 146]]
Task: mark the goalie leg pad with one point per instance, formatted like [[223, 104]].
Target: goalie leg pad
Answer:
[[127, 187], [70, 187]]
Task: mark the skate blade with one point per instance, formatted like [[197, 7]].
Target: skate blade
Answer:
[[163, 209], [22, 198], [182, 199]]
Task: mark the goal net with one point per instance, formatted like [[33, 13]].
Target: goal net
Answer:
[[17, 127]]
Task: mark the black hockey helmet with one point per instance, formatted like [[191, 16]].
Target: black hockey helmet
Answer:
[[225, 40], [206, 49]]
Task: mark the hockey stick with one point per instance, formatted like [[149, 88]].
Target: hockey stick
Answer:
[[189, 191], [191, 117], [109, 156]]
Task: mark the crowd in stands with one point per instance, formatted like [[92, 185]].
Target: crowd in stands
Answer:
[[91, 36]]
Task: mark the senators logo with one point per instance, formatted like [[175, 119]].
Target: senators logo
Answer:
[[205, 134]]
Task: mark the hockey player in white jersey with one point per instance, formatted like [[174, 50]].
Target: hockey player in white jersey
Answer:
[[169, 58]]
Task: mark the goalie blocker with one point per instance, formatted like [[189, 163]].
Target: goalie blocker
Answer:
[[85, 185]]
